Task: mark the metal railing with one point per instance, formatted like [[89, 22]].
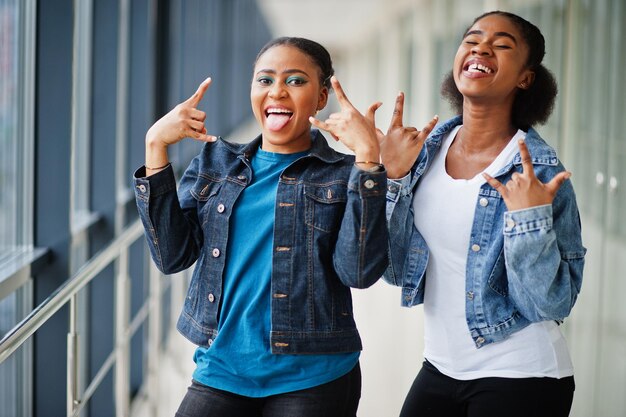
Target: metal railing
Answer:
[[116, 252]]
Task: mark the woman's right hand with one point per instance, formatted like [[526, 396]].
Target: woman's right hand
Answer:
[[183, 121], [401, 145]]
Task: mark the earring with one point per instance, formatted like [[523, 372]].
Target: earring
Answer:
[[522, 85]]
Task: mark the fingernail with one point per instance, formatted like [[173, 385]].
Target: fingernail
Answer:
[[568, 175]]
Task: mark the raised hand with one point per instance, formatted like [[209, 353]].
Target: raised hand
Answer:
[[401, 145], [524, 190], [183, 121], [353, 129]]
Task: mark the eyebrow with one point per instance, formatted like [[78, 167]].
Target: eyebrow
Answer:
[[501, 34], [287, 71]]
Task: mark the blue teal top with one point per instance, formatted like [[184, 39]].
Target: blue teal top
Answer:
[[240, 358]]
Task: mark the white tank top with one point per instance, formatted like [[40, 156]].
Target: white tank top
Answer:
[[444, 213]]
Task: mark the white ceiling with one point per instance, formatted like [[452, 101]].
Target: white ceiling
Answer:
[[333, 23]]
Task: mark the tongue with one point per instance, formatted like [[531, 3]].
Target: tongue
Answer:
[[276, 121]]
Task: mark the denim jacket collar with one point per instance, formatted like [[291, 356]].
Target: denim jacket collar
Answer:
[[319, 148], [540, 154]]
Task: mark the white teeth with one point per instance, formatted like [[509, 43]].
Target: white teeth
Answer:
[[479, 68], [271, 111]]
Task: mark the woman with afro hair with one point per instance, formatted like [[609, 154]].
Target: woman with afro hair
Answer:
[[485, 232]]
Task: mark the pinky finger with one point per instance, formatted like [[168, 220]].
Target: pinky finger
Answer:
[[430, 125], [202, 136], [319, 124]]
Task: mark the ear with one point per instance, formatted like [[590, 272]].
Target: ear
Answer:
[[322, 100], [527, 80]]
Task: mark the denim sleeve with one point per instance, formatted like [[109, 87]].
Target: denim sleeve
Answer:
[[171, 225], [399, 215], [360, 256], [545, 257]]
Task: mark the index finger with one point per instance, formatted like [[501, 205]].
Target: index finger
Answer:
[[398, 111], [195, 99], [527, 164], [341, 96]]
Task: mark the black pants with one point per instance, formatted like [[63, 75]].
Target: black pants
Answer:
[[434, 394], [338, 398]]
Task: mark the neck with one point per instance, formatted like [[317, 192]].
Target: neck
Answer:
[[485, 127]]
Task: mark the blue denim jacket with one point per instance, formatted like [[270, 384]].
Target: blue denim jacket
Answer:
[[523, 266], [330, 234]]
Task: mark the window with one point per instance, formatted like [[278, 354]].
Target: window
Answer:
[[17, 20]]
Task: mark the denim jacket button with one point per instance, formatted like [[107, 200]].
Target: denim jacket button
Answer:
[[211, 298], [510, 223], [392, 188], [216, 252], [475, 247], [470, 295], [480, 340], [483, 202], [142, 188], [220, 208], [369, 184], [210, 342]]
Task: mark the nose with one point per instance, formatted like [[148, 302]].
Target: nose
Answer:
[[481, 49], [277, 90]]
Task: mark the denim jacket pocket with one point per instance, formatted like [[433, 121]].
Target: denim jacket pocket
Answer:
[[325, 205], [205, 188]]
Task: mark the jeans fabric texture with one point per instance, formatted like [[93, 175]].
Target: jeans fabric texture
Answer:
[[434, 394], [338, 398]]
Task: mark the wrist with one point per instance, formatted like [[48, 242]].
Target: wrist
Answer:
[[369, 154], [369, 166]]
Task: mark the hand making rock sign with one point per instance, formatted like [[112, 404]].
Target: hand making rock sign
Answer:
[[183, 121], [353, 129], [401, 145], [524, 190]]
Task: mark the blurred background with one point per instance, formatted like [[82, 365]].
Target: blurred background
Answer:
[[85, 319]]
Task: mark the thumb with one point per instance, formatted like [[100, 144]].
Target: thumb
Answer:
[[371, 111], [558, 180]]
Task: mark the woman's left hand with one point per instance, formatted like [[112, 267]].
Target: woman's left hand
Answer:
[[524, 190], [356, 131]]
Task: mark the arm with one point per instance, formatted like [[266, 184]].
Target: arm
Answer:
[[543, 248], [400, 148], [399, 214], [172, 230], [360, 256], [545, 257], [171, 225]]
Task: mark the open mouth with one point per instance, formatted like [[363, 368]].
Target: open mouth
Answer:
[[277, 118], [475, 67]]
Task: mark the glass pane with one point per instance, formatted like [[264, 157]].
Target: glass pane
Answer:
[[611, 379], [9, 105]]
